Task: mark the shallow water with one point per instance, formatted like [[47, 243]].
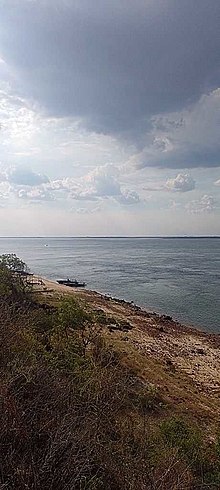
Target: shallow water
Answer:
[[180, 277]]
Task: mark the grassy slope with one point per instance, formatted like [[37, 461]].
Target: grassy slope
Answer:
[[85, 408], [183, 362]]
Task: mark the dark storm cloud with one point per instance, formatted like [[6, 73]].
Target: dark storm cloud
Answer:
[[113, 64]]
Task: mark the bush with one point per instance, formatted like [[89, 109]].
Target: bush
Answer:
[[74, 319], [13, 280], [13, 263]]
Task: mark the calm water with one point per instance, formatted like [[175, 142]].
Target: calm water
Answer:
[[180, 277]]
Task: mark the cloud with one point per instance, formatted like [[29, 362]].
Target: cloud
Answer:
[[72, 67], [87, 210], [108, 65], [185, 139], [174, 205], [36, 194], [100, 183], [125, 82], [217, 182], [181, 183], [24, 184], [103, 183], [206, 204], [24, 176], [19, 119], [4, 190], [128, 197], [3, 177]]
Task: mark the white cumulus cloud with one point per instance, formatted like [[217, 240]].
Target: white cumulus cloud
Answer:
[[35, 194], [206, 204], [101, 183], [128, 197], [181, 183]]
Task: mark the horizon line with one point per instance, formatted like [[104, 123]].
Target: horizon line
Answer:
[[106, 236]]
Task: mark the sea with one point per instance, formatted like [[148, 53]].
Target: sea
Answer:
[[175, 276]]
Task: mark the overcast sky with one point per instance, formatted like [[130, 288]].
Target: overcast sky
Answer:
[[109, 117]]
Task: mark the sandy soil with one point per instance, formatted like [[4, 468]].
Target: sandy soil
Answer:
[[186, 359]]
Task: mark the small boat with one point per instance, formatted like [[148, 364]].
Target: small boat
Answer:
[[71, 284]]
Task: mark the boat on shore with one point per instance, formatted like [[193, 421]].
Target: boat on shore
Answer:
[[71, 283]]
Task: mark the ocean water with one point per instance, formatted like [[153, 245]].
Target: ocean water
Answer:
[[179, 277]]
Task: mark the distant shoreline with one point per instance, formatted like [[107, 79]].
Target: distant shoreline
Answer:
[[159, 237]]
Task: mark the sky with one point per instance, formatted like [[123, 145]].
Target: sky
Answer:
[[109, 117]]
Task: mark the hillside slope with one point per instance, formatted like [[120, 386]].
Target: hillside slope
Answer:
[[97, 394]]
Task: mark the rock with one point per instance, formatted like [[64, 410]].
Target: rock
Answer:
[[200, 351], [167, 318], [113, 327], [169, 362], [122, 326]]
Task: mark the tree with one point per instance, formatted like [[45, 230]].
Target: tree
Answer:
[[13, 263], [12, 283]]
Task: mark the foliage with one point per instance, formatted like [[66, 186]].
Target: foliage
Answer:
[[13, 284], [72, 317], [13, 263]]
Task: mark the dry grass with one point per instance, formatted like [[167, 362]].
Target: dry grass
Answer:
[[75, 415]]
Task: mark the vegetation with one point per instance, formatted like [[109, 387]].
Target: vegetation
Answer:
[[13, 263], [75, 417], [13, 279]]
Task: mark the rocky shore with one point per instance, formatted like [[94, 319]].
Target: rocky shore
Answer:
[[183, 361]]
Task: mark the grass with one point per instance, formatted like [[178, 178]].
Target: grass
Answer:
[[76, 414]]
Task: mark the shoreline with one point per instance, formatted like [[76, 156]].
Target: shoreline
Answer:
[[145, 311], [182, 361], [158, 332]]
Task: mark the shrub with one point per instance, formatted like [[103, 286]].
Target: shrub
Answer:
[[12, 263], [73, 318], [13, 280]]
